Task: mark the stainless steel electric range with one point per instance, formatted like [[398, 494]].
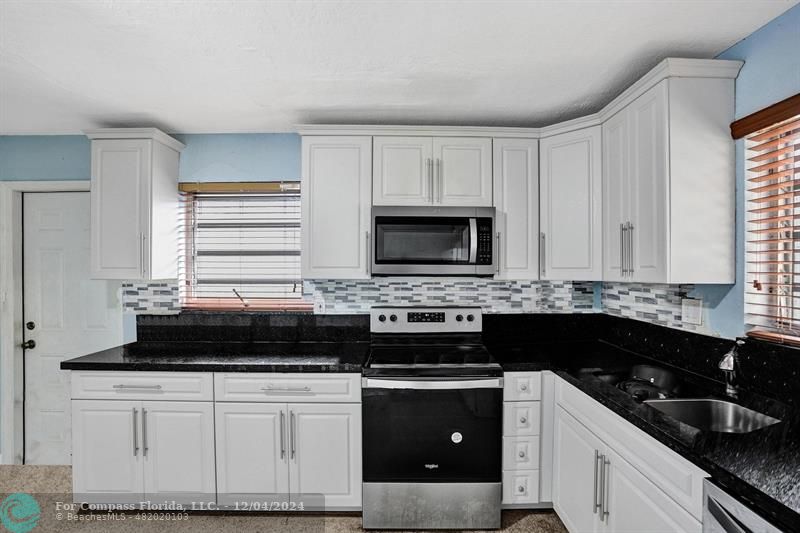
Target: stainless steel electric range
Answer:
[[432, 421]]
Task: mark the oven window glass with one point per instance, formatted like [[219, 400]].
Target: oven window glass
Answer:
[[422, 240]]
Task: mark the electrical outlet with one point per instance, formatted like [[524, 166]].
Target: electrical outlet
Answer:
[[692, 311], [319, 306]]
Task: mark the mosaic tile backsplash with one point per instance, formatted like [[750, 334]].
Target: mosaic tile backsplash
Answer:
[[655, 303], [494, 296], [152, 298]]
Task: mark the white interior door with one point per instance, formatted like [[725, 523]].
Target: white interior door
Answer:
[[66, 315]]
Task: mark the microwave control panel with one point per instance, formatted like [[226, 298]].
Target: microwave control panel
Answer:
[[484, 241]]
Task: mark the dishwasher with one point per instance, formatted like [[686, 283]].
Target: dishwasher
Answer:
[[722, 513]]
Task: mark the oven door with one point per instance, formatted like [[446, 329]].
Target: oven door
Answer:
[[432, 430]]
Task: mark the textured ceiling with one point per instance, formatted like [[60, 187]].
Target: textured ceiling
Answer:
[[245, 66]]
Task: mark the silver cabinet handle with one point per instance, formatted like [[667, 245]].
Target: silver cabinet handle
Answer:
[[520, 489], [291, 432], [144, 433], [135, 435], [522, 420], [604, 495], [440, 181], [136, 387], [271, 388], [723, 517], [630, 248], [283, 435], [622, 241], [523, 387], [595, 500], [521, 454], [429, 172], [542, 248], [141, 253]]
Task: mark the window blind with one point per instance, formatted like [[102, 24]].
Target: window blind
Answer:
[[772, 250], [241, 246]]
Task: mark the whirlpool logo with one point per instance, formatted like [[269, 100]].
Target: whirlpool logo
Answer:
[[431, 466], [20, 512]]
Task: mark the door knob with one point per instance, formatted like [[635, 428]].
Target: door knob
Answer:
[[28, 345]]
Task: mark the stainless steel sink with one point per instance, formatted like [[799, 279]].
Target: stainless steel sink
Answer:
[[713, 415]]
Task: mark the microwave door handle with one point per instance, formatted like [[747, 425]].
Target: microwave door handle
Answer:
[[473, 241]]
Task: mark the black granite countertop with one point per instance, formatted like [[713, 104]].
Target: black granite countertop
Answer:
[[761, 468], [227, 357]]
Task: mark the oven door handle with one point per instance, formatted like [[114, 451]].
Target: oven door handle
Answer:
[[430, 384], [473, 241]]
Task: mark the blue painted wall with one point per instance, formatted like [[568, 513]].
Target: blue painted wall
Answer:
[[771, 73], [207, 157]]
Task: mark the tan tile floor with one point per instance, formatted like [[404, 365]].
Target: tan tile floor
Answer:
[[51, 484]]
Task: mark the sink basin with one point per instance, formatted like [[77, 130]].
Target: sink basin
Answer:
[[713, 415]]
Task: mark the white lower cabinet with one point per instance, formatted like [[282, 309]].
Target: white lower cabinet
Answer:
[[599, 485], [521, 439], [106, 463], [130, 451], [251, 451], [310, 452]]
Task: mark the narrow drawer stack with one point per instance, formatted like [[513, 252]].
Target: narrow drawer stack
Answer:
[[521, 429]]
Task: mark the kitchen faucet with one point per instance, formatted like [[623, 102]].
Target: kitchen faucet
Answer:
[[728, 365]]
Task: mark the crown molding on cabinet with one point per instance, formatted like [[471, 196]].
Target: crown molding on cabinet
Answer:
[[671, 67], [136, 133]]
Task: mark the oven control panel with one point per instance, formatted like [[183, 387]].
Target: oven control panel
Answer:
[[387, 319]]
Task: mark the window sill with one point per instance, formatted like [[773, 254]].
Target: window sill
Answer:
[[232, 304], [773, 336]]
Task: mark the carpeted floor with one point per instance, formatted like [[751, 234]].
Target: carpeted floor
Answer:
[[51, 485]]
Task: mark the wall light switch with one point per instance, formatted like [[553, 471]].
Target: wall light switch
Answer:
[[692, 310]]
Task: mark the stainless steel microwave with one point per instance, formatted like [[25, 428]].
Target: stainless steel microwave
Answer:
[[433, 241]]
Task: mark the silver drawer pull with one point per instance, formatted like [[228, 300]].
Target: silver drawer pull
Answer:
[[521, 489], [523, 387], [138, 387], [271, 388], [522, 454], [523, 420]]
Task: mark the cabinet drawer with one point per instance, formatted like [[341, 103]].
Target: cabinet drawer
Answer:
[[521, 418], [297, 388], [520, 453], [520, 486], [522, 386], [179, 386]]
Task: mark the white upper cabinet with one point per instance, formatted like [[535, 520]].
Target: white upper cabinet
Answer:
[[668, 199], [571, 204], [134, 204], [516, 199], [336, 201], [463, 171], [432, 171], [402, 171]]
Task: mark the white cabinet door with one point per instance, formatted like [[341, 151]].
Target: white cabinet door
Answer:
[[120, 207], [516, 199], [402, 170], [325, 452], [336, 202], [106, 451], [575, 485], [463, 171], [178, 450], [636, 505], [615, 193], [648, 178], [571, 204], [252, 458]]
